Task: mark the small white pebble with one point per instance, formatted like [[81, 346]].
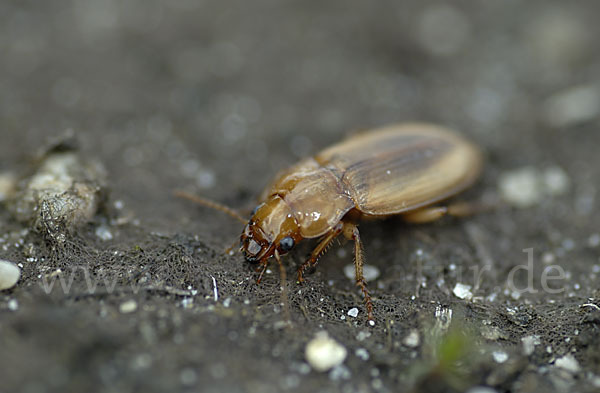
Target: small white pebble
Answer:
[[412, 340], [104, 233], [9, 274], [594, 240], [362, 354], [500, 356], [353, 312], [128, 306], [548, 258], [491, 297], [339, 373], [188, 376], [521, 187], [370, 272], [572, 106], [324, 353], [556, 181], [13, 305], [462, 291], [529, 343], [362, 335], [568, 363]]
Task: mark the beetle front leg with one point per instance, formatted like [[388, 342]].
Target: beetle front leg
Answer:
[[262, 267], [319, 250], [351, 233]]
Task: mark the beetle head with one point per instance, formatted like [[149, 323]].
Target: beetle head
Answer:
[[271, 227]]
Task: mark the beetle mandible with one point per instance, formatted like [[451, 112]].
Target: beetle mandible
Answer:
[[402, 169]]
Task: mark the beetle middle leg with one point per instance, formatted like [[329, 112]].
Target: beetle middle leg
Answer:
[[320, 250], [351, 233]]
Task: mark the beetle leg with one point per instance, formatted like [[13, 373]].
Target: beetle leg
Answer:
[[351, 233], [263, 268], [432, 213], [319, 250]]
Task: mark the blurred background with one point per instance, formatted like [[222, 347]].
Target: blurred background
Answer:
[[219, 96]]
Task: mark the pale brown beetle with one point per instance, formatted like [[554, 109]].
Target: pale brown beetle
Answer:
[[397, 170]]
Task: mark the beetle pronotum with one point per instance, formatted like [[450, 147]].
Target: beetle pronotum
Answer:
[[401, 169]]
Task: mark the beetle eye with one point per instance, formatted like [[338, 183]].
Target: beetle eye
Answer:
[[286, 244]]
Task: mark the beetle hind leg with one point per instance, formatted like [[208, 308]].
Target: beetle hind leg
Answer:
[[433, 213], [351, 233]]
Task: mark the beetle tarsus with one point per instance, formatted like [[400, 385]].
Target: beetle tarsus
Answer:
[[263, 269]]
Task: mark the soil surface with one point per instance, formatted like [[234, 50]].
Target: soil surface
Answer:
[[215, 98]]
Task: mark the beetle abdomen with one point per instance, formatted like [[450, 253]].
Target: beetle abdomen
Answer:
[[400, 168]]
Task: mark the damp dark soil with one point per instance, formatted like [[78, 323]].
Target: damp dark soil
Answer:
[[214, 98]]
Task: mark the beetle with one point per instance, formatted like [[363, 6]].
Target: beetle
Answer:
[[402, 169]]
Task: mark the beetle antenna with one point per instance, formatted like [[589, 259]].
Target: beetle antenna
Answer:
[[210, 204], [283, 278]]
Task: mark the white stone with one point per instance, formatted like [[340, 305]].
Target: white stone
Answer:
[[500, 356], [568, 363], [412, 340], [573, 106], [353, 312], [103, 232], [521, 187], [594, 240], [13, 305], [370, 272], [556, 181], [339, 373], [362, 354], [324, 353], [462, 291], [128, 306], [529, 343], [9, 275]]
